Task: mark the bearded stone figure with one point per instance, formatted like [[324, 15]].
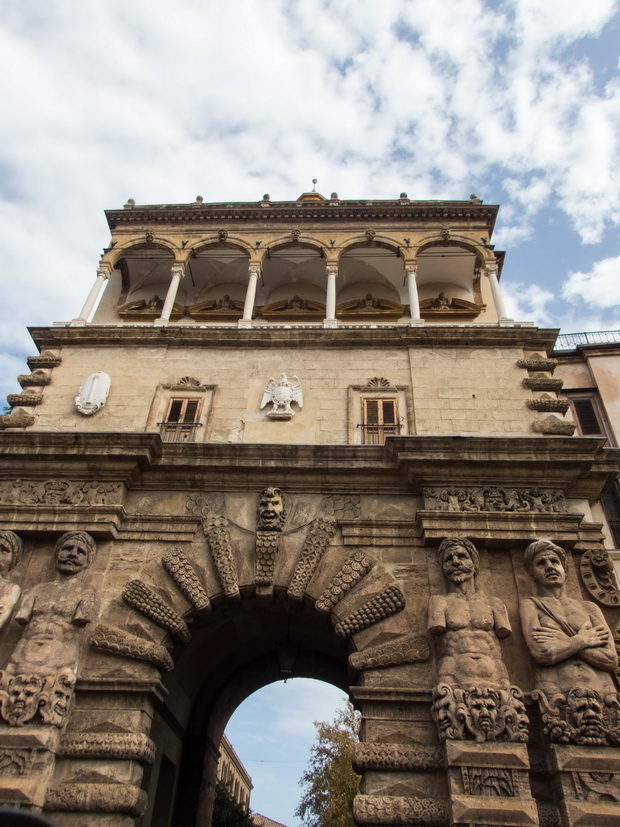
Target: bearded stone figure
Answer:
[[574, 652], [41, 672], [473, 699]]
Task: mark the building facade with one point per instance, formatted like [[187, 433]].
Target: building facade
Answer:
[[232, 772], [303, 438]]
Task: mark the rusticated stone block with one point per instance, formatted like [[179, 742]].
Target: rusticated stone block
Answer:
[[375, 809], [96, 798]]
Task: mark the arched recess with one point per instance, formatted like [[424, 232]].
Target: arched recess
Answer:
[[448, 279], [371, 281], [235, 600], [145, 274], [294, 280], [217, 279]]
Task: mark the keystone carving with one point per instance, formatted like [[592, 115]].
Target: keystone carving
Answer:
[[384, 809], [354, 569], [115, 641], [180, 569], [574, 652], [60, 492], [599, 577], [11, 548], [388, 602], [397, 757], [319, 536], [409, 649], [144, 600], [125, 799], [108, 745], [473, 699], [494, 498], [538, 364], [270, 517], [217, 532]]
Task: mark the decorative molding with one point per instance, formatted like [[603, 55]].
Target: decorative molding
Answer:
[[189, 382], [37, 378], [543, 383], [318, 538], [354, 569], [582, 716], [108, 745], [72, 797], [388, 602], [553, 425], [341, 506], [217, 532], [598, 575], [60, 492], [115, 641], [484, 713], [17, 419], [378, 382], [180, 569], [495, 498], [28, 399], [144, 600], [397, 757], [376, 809], [407, 649], [267, 548], [45, 360], [537, 365], [549, 405]]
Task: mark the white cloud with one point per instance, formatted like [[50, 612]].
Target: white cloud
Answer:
[[527, 303], [599, 288]]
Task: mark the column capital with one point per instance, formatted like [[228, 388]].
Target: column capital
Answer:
[[104, 270], [254, 270], [491, 269], [178, 269], [332, 270], [411, 269]]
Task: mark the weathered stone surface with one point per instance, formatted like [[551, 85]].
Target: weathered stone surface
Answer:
[[408, 649], [180, 569], [106, 745], [397, 757], [387, 603], [355, 567], [430, 812], [96, 798], [144, 600], [115, 641]]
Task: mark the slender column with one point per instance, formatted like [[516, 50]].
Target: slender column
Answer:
[[248, 308], [330, 299], [103, 274], [412, 288], [491, 271], [177, 271]]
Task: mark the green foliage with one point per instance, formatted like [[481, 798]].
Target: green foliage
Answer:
[[226, 811], [329, 783]]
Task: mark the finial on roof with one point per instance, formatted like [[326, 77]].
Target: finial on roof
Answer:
[[474, 199], [199, 199], [403, 195], [314, 181], [131, 202]]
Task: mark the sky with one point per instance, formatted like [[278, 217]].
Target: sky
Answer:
[[517, 101]]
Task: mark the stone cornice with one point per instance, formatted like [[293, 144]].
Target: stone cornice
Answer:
[[331, 212], [303, 337]]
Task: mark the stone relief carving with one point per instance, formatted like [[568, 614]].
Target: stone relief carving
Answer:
[[385, 809], [538, 364], [217, 532], [540, 382], [599, 576], [340, 506], [473, 698], [29, 398], [397, 757], [98, 798], [114, 641], [597, 786], [180, 569], [45, 360], [270, 518], [132, 746], [41, 672], [406, 649], [320, 534], [354, 569], [574, 652], [11, 548], [548, 404], [93, 394], [495, 498], [16, 761], [388, 602], [38, 378], [144, 600], [553, 425], [205, 505], [495, 781], [282, 394], [60, 492], [17, 419]]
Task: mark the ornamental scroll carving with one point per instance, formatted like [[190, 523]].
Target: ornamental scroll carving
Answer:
[[354, 569], [180, 569], [494, 498], [60, 492], [388, 602], [473, 698], [385, 809], [407, 649], [574, 652], [41, 673], [114, 641], [599, 576], [144, 600], [320, 534]]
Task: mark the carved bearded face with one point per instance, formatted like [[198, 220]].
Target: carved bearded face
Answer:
[[271, 511], [6, 556], [73, 555], [23, 698], [547, 569], [483, 711], [587, 713], [457, 564], [59, 697]]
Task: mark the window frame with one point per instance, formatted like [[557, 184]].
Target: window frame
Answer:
[[591, 395], [357, 397]]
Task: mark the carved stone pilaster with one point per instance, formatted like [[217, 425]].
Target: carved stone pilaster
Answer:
[[390, 601], [180, 569], [217, 532], [144, 600], [407, 649], [114, 641], [354, 569], [319, 536]]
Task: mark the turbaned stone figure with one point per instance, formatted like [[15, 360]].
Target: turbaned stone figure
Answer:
[[574, 650], [42, 670], [473, 699]]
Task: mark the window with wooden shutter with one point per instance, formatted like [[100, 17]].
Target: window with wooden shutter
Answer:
[[379, 419], [588, 414], [181, 420]]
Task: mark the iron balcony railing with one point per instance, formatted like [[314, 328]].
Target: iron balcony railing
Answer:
[[571, 341], [376, 434], [179, 431]]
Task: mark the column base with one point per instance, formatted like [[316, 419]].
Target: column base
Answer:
[[77, 322], [415, 322], [244, 324], [504, 322], [160, 323], [330, 322]]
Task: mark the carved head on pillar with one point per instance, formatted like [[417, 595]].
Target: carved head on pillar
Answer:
[[22, 699], [56, 698], [484, 706], [546, 563], [459, 559], [271, 511], [74, 552], [585, 711], [11, 547]]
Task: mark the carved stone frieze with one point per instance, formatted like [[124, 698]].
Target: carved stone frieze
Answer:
[[144, 600], [319, 536], [205, 505], [390, 601], [217, 532], [385, 809], [540, 382], [17, 419], [495, 781], [267, 547], [555, 426], [597, 786], [37, 378], [549, 405], [599, 576], [479, 714], [125, 799], [407, 649], [495, 498], [45, 360], [16, 761], [60, 492], [115, 641], [131, 746], [354, 569], [23, 696], [583, 716], [397, 757], [27, 399], [180, 569], [341, 506], [538, 364]]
